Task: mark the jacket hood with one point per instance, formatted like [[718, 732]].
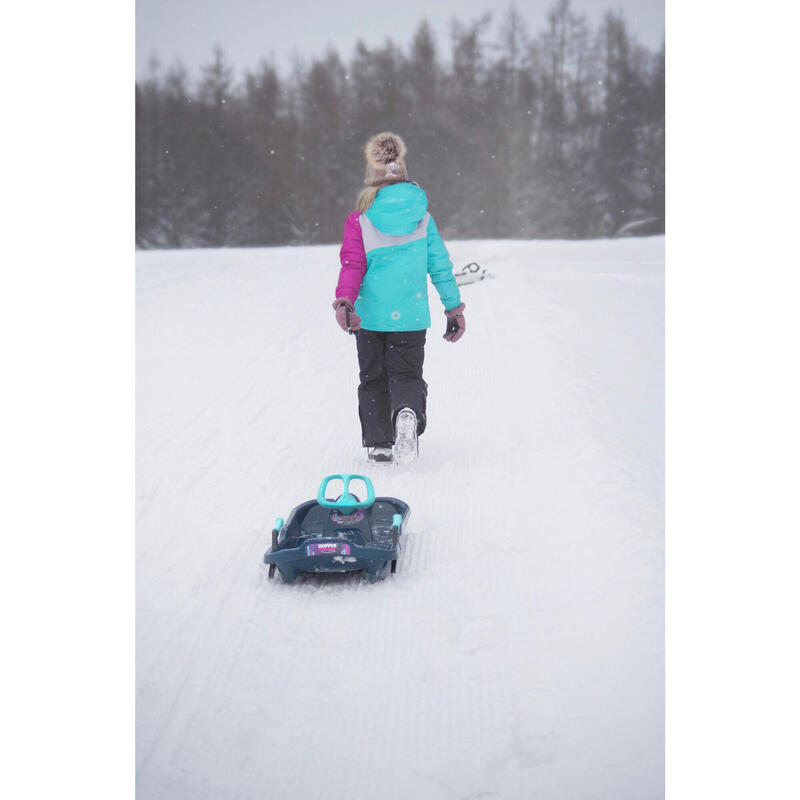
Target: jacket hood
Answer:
[[398, 208]]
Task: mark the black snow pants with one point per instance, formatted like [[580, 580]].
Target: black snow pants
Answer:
[[390, 369]]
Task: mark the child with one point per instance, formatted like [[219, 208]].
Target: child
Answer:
[[390, 245]]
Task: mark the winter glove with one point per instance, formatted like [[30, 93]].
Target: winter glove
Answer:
[[455, 324], [346, 315]]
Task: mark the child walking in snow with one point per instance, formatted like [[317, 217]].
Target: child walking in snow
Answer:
[[390, 246]]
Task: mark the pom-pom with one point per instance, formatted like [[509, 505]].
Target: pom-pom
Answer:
[[383, 148]]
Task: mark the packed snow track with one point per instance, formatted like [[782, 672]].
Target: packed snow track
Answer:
[[518, 651]]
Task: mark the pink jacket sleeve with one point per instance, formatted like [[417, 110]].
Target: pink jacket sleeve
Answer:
[[353, 259]]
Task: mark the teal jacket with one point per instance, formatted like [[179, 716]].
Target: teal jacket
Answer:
[[401, 247]]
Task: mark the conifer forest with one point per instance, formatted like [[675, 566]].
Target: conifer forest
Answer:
[[556, 133]]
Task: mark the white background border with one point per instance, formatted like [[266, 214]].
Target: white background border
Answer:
[[732, 401], [68, 400]]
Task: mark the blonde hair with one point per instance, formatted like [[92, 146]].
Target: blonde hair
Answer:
[[367, 198]]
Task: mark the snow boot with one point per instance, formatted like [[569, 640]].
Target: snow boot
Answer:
[[380, 455], [406, 444]]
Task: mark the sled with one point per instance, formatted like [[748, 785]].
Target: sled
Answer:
[[472, 273], [344, 534]]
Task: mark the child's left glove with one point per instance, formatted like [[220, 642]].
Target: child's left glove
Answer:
[[455, 324], [346, 315]]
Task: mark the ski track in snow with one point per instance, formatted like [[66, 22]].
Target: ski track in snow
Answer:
[[518, 652]]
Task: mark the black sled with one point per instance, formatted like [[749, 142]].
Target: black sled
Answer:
[[339, 535]]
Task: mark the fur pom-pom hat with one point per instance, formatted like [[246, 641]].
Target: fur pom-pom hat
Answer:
[[384, 154]]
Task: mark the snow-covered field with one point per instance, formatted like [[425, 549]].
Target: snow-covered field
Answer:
[[518, 652]]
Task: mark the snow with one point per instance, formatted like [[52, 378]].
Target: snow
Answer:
[[518, 651]]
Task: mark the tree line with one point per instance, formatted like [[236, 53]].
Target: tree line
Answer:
[[554, 135]]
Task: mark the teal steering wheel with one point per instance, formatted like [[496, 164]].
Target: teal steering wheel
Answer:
[[347, 502]]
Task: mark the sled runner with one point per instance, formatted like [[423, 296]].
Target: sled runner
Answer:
[[344, 534]]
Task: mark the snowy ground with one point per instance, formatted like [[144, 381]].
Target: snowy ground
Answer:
[[518, 652]]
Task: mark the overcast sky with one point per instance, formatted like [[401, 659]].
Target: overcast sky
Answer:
[[249, 30]]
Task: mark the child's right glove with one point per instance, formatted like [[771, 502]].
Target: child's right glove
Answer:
[[455, 324], [346, 315]]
